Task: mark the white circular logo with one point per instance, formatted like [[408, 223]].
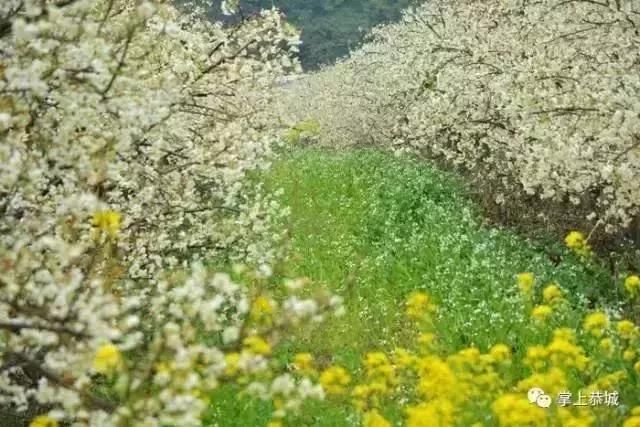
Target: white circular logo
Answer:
[[534, 394], [544, 401]]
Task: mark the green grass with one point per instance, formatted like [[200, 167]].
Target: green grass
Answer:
[[373, 228]]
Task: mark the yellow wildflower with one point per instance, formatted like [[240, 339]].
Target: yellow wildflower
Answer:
[[629, 355], [107, 221], [437, 379], [536, 357], [261, 309], [256, 345], [374, 419], [576, 241], [633, 421], [564, 353], [552, 381], [578, 418], [303, 362], [275, 423], [626, 329], [525, 282], [366, 396], [514, 410], [632, 285], [438, 412], [378, 366], [606, 345], [608, 382], [500, 353], [541, 312], [402, 357], [231, 363], [418, 305], [107, 359], [334, 380], [43, 421], [552, 294], [595, 323]]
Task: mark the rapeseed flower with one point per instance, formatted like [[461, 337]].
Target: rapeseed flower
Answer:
[[419, 305], [374, 419], [257, 345], [577, 242], [262, 309], [525, 282], [43, 421], [627, 329], [438, 412], [541, 313], [303, 362], [632, 285], [108, 221], [552, 294], [107, 359], [514, 410], [500, 353], [334, 380], [595, 323]]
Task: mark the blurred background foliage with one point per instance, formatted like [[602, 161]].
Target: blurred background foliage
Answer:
[[330, 28]]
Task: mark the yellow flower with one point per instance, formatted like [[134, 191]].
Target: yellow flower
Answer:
[[637, 367], [367, 396], [563, 352], [632, 285], [303, 362], [552, 381], [334, 380], [43, 421], [500, 353], [626, 329], [379, 367], [552, 294], [275, 423], [576, 241], [403, 357], [536, 357], [525, 282], [107, 359], [438, 412], [418, 305], [425, 341], [107, 221], [629, 355], [437, 379], [633, 421], [261, 309], [595, 323], [541, 312], [257, 345], [580, 418], [231, 363], [606, 345], [374, 419], [514, 410]]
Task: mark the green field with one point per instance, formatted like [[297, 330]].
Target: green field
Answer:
[[373, 228]]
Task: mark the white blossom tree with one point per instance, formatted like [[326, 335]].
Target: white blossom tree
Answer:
[[126, 134], [539, 97]]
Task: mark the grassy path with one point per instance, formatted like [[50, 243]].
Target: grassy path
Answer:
[[373, 228]]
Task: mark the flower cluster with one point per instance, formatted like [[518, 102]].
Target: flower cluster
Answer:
[[471, 387]]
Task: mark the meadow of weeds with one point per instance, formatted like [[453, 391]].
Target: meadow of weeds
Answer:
[[447, 322]]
